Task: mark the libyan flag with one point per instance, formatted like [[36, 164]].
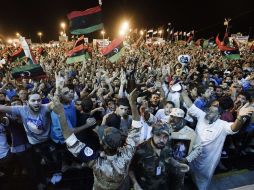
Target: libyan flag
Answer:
[[231, 54], [17, 55], [85, 22], [28, 71], [226, 51], [79, 52], [114, 50]]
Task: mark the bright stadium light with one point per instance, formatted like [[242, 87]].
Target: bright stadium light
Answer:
[[124, 28], [122, 32], [125, 25]]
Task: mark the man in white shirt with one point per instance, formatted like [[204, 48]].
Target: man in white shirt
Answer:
[[212, 132]]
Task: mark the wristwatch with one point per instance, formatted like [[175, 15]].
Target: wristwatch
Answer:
[[240, 118]]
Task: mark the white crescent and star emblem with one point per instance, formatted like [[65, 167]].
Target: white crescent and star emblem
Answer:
[[116, 50], [29, 74], [25, 73], [226, 52]]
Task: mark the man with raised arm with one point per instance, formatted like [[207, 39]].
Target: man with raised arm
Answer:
[[212, 131], [110, 167]]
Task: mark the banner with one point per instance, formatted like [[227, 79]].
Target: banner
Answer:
[[100, 43]]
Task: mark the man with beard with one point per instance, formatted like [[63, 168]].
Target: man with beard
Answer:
[[186, 144], [36, 121], [212, 132], [180, 131], [35, 117], [152, 164]]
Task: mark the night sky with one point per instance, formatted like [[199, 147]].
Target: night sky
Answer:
[[29, 16]]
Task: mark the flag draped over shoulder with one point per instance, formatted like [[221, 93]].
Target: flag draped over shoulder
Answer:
[[32, 69], [114, 50], [226, 51], [85, 22], [79, 52]]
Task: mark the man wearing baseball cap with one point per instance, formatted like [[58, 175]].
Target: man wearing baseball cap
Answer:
[[185, 143], [152, 164], [110, 166]]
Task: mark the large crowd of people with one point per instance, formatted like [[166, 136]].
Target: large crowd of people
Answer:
[[146, 122]]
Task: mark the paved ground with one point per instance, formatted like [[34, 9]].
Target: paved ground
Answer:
[[239, 173]]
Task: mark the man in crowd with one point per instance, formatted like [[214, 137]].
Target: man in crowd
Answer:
[[153, 164], [212, 132]]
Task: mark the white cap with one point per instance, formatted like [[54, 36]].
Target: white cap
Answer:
[[177, 112], [176, 87]]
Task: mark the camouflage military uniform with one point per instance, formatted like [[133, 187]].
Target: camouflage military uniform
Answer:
[[152, 171], [110, 172]]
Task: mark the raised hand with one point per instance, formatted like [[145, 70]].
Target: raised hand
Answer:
[[132, 97], [59, 80], [246, 110], [123, 78], [57, 107], [90, 122]]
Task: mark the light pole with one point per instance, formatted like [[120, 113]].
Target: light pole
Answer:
[[40, 35], [103, 33], [63, 27]]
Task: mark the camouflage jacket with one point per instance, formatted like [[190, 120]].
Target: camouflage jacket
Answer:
[[153, 171]]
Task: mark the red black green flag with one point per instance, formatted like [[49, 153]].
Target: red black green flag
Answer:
[[17, 55], [34, 71], [79, 52], [114, 50], [85, 22], [226, 51]]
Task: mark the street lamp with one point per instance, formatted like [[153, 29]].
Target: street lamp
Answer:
[[18, 34], [40, 35], [103, 33], [63, 26]]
